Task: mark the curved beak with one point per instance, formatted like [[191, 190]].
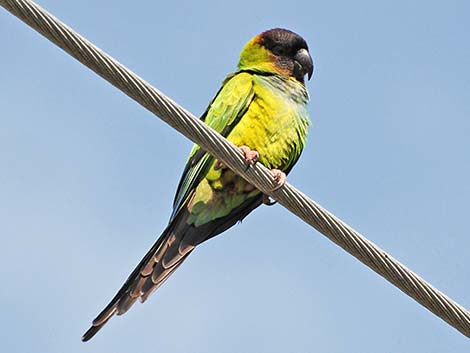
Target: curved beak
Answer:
[[303, 64]]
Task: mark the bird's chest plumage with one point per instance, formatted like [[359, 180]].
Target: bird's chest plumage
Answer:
[[275, 123]]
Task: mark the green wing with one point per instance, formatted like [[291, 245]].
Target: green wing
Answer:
[[222, 114]]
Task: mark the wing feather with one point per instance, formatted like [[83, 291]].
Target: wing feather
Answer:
[[222, 114]]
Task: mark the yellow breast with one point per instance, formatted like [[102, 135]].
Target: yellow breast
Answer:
[[272, 125]]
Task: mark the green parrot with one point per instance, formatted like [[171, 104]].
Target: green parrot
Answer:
[[262, 108]]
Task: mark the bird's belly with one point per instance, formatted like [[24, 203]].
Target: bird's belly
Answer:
[[217, 195]]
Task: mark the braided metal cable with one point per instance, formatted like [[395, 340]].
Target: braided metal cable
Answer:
[[288, 196]]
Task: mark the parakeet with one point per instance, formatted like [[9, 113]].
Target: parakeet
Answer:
[[262, 108]]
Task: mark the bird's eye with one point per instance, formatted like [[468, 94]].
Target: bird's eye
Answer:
[[278, 50]]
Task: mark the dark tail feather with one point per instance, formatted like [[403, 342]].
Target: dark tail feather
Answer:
[[165, 256], [159, 263]]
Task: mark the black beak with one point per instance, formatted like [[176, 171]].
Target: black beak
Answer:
[[303, 65]]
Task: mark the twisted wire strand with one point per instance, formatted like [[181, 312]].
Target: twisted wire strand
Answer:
[[288, 196]]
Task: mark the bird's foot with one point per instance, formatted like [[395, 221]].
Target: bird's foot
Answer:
[[280, 178], [251, 156]]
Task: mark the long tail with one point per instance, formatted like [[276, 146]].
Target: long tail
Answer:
[[170, 250], [159, 263]]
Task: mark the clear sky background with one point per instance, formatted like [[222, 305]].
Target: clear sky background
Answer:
[[87, 180]]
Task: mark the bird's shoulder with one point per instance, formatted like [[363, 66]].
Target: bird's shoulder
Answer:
[[230, 102]]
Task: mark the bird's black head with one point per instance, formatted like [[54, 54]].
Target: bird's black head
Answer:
[[280, 51]]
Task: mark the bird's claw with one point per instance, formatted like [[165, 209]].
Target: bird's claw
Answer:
[[280, 178], [251, 156]]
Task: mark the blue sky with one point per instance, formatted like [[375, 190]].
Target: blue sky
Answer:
[[88, 178]]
